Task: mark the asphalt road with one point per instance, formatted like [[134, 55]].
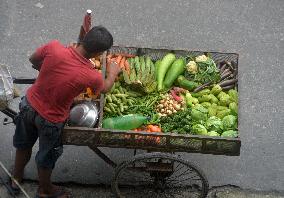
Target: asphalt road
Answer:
[[254, 29]]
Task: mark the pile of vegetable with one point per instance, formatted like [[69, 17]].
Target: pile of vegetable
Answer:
[[185, 95]]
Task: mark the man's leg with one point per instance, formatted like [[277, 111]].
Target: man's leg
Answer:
[[23, 156], [50, 148]]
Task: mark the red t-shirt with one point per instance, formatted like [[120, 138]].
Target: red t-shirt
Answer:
[[64, 74]]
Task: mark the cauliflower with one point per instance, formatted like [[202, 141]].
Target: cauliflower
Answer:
[[192, 67], [201, 58]]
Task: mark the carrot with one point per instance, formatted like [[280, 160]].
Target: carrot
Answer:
[[122, 62], [118, 59], [125, 55], [127, 66], [110, 56]]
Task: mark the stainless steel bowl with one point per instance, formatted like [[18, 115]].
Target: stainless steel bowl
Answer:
[[84, 114]]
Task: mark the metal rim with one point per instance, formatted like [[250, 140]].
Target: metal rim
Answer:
[[139, 178]]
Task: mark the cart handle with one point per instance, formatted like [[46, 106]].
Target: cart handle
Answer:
[[24, 80]]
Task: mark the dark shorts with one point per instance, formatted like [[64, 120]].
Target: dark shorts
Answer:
[[30, 126]]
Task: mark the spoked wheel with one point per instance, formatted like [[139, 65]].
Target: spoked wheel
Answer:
[[158, 175]]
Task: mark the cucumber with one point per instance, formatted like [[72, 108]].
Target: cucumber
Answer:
[[163, 68], [176, 69], [186, 84]]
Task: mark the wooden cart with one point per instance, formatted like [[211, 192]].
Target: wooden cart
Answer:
[[159, 172]]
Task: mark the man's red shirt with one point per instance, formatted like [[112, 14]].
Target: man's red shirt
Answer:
[[64, 74]]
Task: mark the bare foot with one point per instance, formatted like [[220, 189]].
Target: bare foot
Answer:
[[56, 191]]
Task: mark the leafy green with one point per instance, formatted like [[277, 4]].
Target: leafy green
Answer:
[[199, 113], [145, 105], [179, 122], [199, 129], [213, 133], [223, 113], [234, 108], [216, 90], [233, 95], [224, 100], [207, 72], [229, 122], [230, 133], [214, 124]]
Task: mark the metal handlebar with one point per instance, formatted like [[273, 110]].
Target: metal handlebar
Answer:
[[24, 80]]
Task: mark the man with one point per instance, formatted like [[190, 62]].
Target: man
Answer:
[[64, 73]]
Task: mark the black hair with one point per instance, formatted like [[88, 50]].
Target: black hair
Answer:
[[97, 40]]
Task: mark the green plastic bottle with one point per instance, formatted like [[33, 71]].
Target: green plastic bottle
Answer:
[[126, 122]]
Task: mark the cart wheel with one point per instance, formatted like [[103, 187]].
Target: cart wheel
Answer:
[[158, 175]]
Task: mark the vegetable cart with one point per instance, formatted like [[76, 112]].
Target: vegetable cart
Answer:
[[158, 172]]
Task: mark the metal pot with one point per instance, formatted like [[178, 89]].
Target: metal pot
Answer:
[[84, 114]]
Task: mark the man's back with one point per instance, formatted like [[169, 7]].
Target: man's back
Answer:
[[64, 74]]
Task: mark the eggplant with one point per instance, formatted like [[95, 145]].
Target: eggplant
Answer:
[[225, 75], [228, 82], [202, 87], [225, 71], [226, 88], [222, 69]]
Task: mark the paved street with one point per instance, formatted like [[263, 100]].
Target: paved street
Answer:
[[254, 29]]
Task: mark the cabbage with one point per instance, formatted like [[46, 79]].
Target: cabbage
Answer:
[[195, 100], [233, 95], [199, 113], [234, 108], [213, 133], [216, 90], [213, 99], [229, 122], [223, 113], [199, 129], [201, 93], [230, 133], [204, 98], [206, 104], [212, 111], [225, 100], [221, 94], [214, 124]]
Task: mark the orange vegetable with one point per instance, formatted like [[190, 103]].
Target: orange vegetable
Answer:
[[121, 64], [118, 59], [109, 56], [154, 128], [127, 67]]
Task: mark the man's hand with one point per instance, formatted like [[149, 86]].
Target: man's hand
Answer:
[[112, 68], [112, 71]]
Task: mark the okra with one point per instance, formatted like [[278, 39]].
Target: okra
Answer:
[[116, 91], [121, 95], [114, 98], [121, 107], [107, 109], [121, 90], [108, 98], [117, 84], [112, 108], [124, 99], [113, 104]]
